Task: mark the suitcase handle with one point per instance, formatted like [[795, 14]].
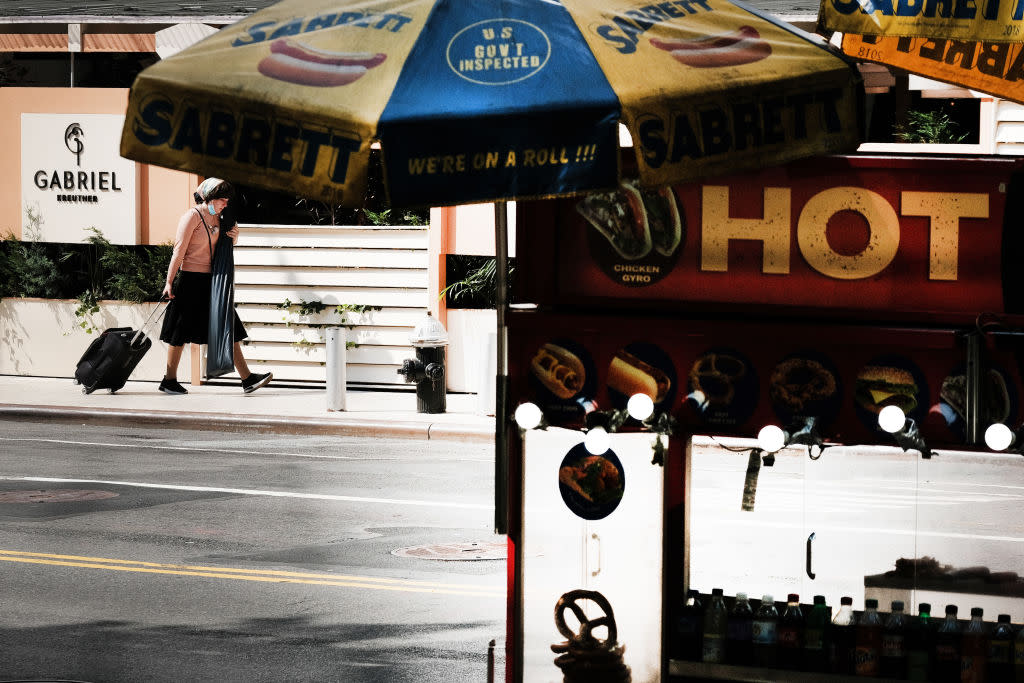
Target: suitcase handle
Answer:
[[137, 335]]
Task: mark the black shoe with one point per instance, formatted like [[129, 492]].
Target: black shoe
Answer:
[[171, 386], [255, 380]]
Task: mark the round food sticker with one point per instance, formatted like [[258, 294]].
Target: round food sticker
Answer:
[[591, 485], [890, 381], [563, 377], [635, 234], [805, 384], [641, 368], [723, 383]]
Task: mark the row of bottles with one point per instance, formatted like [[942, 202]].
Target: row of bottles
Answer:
[[868, 644]]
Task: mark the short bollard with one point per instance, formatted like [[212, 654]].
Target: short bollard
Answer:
[[337, 374]]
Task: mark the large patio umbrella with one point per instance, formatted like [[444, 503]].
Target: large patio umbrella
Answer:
[[490, 99], [481, 100]]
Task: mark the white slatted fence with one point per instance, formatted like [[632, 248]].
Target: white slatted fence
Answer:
[[382, 266]]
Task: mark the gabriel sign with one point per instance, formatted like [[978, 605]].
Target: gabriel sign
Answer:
[[73, 179], [873, 235]]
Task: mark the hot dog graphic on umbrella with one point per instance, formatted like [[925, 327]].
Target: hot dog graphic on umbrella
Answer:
[[742, 46], [295, 62]]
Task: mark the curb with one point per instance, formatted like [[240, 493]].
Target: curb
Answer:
[[399, 429]]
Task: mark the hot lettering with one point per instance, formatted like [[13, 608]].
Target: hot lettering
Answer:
[[773, 230]]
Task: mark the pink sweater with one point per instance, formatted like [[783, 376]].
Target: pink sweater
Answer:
[[192, 251]]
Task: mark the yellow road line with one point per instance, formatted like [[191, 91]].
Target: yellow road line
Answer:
[[267, 576]]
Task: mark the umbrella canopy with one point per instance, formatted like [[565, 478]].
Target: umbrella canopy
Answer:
[[491, 99], [990, 21]]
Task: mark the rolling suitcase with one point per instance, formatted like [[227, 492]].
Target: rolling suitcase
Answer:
[[111, 358]]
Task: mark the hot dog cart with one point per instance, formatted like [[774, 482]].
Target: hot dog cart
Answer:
[[809, 297]]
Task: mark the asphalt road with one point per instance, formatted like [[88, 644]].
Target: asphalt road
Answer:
[[161, 555]]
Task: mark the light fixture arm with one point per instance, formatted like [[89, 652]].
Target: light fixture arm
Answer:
[[909, 438]]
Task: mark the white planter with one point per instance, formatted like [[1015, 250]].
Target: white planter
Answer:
[[469, 332], [42, 337]]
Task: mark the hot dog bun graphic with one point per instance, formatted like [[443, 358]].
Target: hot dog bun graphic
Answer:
[[742, 46], [294, 62], [629, 375], [559, 370]]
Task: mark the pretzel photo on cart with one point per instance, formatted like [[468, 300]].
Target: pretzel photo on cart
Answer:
[[585, 657]]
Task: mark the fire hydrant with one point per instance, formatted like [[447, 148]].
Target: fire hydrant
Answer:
[[427, 370]]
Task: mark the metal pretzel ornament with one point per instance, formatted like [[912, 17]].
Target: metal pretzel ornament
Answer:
[[585, 657]]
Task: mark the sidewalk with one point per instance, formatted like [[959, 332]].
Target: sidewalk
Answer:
[[274, 408]]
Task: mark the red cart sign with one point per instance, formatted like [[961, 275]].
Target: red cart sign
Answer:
[[881, 238]]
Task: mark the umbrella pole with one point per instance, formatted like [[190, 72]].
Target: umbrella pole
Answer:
[[501, 381]]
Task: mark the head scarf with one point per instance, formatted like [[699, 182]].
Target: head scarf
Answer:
[[207, 186]]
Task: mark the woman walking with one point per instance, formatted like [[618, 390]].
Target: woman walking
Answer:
[[187, 317]]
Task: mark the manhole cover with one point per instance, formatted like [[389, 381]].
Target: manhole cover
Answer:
[[473, 550], [54, 496]]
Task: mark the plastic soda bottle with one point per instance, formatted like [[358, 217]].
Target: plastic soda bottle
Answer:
[[739, 631], [815, 630], [947, 649], [894, 643], [867, 658], [689, 626], [842, 640], [999, 668], [764, 633], [716, 616], [974, 649], [791, 634], [920, 640]]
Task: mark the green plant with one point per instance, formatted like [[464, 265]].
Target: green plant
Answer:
[[344, 309], [478, 287], [390, 217], [88, 306], [932, 127], [314, 307], [136, 275], [31, 272]]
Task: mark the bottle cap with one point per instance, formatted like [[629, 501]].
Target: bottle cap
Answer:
[[925, 607], [897, 605], [1003, 618], [977, 611], [693, 592], [819, 599], [717, 591], [793, 597], [951, 609], [846, 600], [871, 603], [741, 596], [767, 598]]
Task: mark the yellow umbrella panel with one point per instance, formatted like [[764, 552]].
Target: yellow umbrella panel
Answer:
[[984, 20], [714, 87], [286, 99]]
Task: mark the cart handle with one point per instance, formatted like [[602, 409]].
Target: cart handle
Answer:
[[810, 540]]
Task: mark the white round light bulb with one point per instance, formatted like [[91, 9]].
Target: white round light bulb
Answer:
[[998, 437], [528, 415], [596, 441], [771, 438], [892, 419], [640, 406]]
